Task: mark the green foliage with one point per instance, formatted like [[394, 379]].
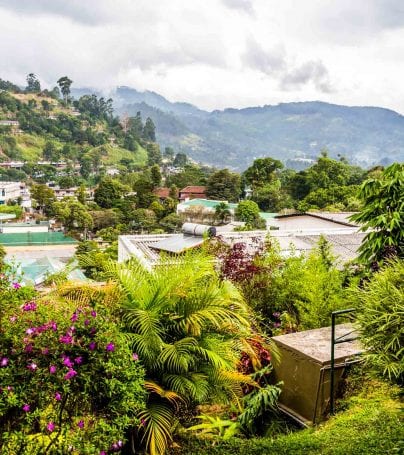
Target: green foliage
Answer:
[[248, 211], [72, 214], [308, 288], [65, 84], [224, 185], [372, 425], [153, 153], [33, 84], [186, 325], [171, 222], [51, 352], [222, 212], [13, 209], [257, 405], [191, 175], [149, 131], [380, 304], [143, 220], [262, 172], [383, 214], [108, 192]]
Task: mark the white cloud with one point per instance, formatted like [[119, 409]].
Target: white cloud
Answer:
[[213, 53]]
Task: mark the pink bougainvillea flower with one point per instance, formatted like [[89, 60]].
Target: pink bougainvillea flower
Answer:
[[53, 326], [74, 317], [92, 346], [13, 318], [110, 347], [67, 362], [93, 313], [78, 360], [81, 424], [30, 331], [45, 351], [4, 362], [87, 322], [103, 452], [29, 306], [58, 396], [66, 339], [52, 369], [32, 366], [28, 348], [135, 356], [16, 285], [50, 427], [26, 407], [70, 374]]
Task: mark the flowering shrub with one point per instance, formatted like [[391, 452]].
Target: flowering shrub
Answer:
[[69, 383]]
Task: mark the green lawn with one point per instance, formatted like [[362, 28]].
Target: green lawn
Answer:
[[372, 424]]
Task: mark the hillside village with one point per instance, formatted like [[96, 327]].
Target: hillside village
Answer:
[[221, 312]]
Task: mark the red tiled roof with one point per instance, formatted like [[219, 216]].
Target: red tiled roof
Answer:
[[162, 192], [194, 189]]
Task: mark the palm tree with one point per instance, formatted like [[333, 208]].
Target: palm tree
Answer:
[[222, 212], [188, 328]]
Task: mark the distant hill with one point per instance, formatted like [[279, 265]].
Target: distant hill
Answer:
[[235, 137]]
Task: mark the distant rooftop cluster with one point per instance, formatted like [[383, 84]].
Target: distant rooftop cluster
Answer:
[[298, 233]]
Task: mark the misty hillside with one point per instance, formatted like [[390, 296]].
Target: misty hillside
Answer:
[[234, 137]]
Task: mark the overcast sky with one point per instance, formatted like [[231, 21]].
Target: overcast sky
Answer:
[[213, 53]]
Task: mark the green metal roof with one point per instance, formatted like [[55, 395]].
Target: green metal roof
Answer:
[[36, 238], [35, 271], [208, 203]]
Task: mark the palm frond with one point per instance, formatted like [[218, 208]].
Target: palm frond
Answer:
[[176, 357], [169, 395], [157, 420]]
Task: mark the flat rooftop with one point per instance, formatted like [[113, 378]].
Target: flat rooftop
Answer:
[[36, 239], [344, 243]]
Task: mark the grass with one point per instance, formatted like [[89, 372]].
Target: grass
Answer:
[[114, 154], [372, 424]]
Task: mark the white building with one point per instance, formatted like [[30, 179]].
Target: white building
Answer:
[[11, 191]]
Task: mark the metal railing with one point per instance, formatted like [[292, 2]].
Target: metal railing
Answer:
[[334, 341]]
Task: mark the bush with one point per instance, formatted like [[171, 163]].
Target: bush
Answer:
[[380, 306], [69, 381], [14, 209]]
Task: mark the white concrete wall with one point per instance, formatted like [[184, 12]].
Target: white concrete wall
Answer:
[[22, 229]]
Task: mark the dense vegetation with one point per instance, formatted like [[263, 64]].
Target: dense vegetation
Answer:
[[179, 357]]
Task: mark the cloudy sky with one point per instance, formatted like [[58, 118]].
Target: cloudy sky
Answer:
[[213, 53]]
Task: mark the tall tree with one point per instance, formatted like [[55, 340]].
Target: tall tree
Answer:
[[262, 172], [136, 125], [65, 84], [180, 160], [149, 130], [153, 153], [73, 214], [224, 185], [382, 215], [108, 192], [155, 175], [44, 197], [33, 84]]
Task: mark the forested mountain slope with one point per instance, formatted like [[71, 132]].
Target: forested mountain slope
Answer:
[[234, 137]]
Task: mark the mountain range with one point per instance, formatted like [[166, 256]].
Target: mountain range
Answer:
[[288, 131]]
